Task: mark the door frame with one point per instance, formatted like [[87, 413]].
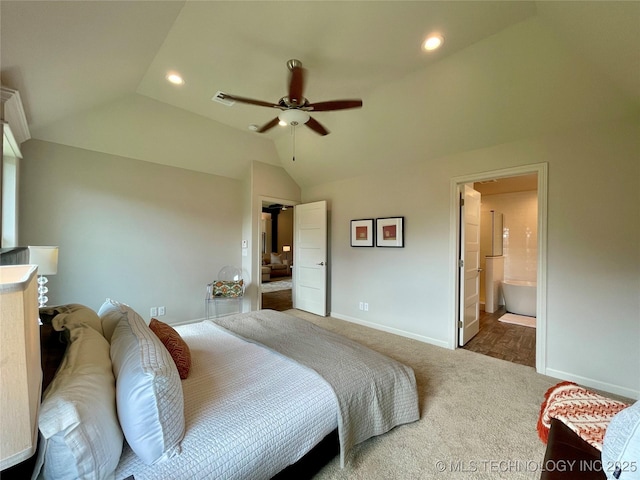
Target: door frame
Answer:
[[541, 169], [257, 257]]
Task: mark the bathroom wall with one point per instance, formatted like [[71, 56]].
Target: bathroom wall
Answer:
[[520, 247], [490, 234]]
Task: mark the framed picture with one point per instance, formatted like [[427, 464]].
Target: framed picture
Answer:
[[390, 232], [362, 233]]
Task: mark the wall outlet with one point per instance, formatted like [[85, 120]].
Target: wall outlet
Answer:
[[162, 311], [361, 305], [366, 307], [154, 312]]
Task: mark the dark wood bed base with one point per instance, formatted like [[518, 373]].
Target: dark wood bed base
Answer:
[[312, 462]]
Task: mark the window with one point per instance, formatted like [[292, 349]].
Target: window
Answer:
[[9, 177], [14, 131]]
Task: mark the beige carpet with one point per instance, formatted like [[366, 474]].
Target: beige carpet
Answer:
[[518, 320], [478, 415]]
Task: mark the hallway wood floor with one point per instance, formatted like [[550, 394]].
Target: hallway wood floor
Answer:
[[279, 301], [506, 341]]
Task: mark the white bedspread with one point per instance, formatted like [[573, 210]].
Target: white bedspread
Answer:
[[238, 398], [375, 393]]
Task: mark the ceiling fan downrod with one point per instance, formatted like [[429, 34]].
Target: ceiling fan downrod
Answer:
[[293, 63]]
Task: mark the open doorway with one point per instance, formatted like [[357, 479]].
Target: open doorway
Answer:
[[511, 248], [276, 248]]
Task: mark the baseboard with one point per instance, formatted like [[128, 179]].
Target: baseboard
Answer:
[[590, 382], [196, 320], [185, 322], [395, 331]]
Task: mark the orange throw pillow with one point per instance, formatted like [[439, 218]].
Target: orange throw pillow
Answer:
[[174, 343]]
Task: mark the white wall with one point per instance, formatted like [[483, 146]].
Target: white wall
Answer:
[[520, 240], [141, 233], [593, 319]]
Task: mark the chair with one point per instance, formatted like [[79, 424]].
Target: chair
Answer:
[[226, 293]]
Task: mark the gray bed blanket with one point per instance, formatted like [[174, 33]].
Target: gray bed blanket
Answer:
[[375, 393]]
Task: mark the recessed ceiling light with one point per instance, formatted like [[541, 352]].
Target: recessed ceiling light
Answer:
[[433, 42], [175, 78]]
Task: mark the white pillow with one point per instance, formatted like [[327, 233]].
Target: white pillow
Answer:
[[110, 313], [276, 259], [621, 445], [81, 437], [148, 390]]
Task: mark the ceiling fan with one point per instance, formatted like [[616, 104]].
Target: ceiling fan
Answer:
[[277, 206], [295, 107]]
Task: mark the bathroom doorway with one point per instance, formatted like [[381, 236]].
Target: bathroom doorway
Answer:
[[512, 247]]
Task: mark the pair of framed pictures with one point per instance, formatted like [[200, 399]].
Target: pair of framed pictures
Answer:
[[388, 232]]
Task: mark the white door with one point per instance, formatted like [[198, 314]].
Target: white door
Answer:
[[469, 322], [310, 257]]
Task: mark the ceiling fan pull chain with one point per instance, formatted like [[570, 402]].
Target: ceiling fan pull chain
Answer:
[[293, 134]]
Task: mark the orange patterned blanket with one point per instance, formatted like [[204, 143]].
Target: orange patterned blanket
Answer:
[[585, 412]]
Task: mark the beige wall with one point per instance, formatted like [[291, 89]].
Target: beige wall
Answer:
[[285, 230], [271, 183], [593, 328], [141, 233], [153, 235]]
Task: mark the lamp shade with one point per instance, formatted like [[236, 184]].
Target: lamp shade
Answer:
[[20, 371], [46, 258], [286, 248]]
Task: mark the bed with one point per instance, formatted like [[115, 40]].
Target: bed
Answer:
[[267, 395]]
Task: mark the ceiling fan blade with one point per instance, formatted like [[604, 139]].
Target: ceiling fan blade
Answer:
[[335, 105], [268, 126], [250, 101], [316, 127], [296, 86]]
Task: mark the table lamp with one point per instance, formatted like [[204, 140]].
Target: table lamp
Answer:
[[46, 258]]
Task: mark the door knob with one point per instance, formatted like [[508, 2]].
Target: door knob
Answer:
[[321, 263]]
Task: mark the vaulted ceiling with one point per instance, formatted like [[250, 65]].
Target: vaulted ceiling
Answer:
[[92, 74]]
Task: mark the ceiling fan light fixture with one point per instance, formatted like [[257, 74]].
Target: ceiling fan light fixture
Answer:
[[432, 42], [293, 116]]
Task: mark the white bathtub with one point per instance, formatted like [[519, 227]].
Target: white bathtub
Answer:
[[520, 297]]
